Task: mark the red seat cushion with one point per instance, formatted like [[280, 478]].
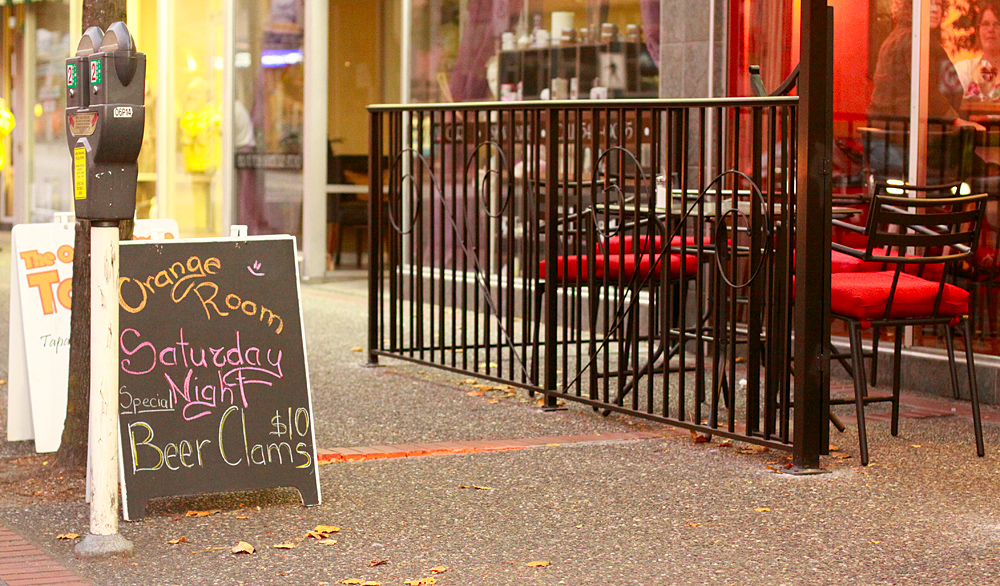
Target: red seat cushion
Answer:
[[845, 263], [617, 244], [625, 267], [864, 296], [572, 268], [575, 268]]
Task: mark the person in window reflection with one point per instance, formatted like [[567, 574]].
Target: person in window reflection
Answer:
[[889, 108], [979, 74], [891, 94]]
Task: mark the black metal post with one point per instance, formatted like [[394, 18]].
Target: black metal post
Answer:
[[551, 202], [374, 232], [813, 200]]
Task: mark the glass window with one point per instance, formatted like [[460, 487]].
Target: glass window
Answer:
[[268, 115], [50, 188], [532, 49], [195, 110]]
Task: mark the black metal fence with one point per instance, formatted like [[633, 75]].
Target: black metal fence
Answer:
[[633, 256]]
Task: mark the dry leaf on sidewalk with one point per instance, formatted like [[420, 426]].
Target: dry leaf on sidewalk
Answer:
[[243, 547], [474, 487], [286, 545], [421, 582], [537, 564], [202, 513], [178, 540], [357, 349], [67, 536], [378, 562], [438, 569]]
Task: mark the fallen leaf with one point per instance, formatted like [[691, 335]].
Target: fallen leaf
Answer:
[[287, 545], [834, 448], [692, 524], [378, 562], [475, 393], [421, 582], [537, 564], [315, 535], [484, 388], [178, 540], [762, 509], [67, 536], [327, 541], [350, 581], [243, 547], [242, 517], [579, 526], [841, 456], [474, 487], [914, 445], [439, 569], [357, 349], [468, 381], [326, 529], [725, 444], [698, 438], [202, 513], [875, 541]]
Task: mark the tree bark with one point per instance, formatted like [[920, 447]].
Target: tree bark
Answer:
[[73, 449]]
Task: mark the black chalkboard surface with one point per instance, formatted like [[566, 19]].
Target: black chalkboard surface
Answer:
[[213, 390]]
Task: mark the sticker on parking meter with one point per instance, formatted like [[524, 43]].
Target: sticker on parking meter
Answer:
[[71, 75], [80, 173], [95, 72]]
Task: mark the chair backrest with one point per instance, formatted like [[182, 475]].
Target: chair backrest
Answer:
[[936, 228]]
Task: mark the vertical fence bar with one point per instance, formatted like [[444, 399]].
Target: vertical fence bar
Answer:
[[374, 234], [551, 255]]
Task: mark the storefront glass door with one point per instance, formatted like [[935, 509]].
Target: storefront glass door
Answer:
[[268, 115]]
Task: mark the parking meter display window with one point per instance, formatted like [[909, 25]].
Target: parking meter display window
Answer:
[[72, 75]]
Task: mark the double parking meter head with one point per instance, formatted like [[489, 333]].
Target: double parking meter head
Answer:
[[105, 114]]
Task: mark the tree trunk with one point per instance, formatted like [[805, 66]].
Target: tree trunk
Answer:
[[73, 449]]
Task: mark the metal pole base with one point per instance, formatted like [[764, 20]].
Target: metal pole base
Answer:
[[98, 547], [797, 471]]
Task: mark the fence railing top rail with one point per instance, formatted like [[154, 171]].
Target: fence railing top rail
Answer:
[[594, 104]]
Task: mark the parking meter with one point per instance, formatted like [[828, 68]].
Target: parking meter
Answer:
[[105, 116]]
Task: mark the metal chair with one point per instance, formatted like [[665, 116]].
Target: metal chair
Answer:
[[946, 231]]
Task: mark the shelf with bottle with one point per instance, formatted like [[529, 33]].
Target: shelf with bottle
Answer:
[[588, 63]]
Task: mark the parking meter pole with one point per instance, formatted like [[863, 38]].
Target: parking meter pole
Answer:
[[105, 112], [104, 539]]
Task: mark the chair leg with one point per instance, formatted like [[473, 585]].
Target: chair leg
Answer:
[[952, 367], [896, 374], [539, 297], [977, 422], [874, 377], [857, 356]]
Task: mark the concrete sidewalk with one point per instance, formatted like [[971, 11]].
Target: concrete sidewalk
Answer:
[[430, 477]]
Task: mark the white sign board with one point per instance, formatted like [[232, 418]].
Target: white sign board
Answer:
[[40, 300]]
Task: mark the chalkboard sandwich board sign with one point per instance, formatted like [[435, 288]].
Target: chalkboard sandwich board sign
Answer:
[[214, 391]]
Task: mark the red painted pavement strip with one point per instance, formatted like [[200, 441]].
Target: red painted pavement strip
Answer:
[[359, 453], [23, 564]]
